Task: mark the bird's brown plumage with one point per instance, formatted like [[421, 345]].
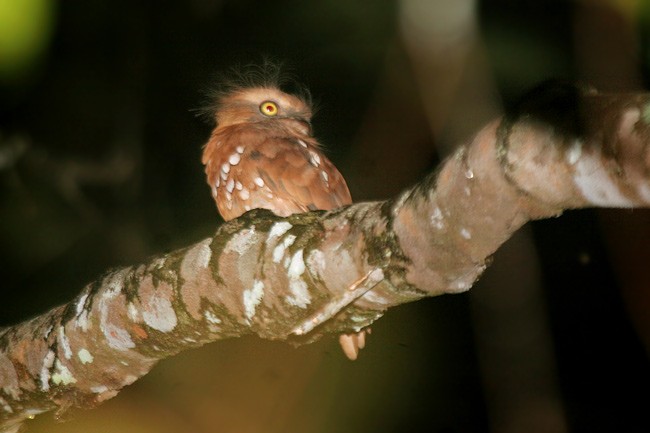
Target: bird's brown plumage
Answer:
[[271, 162]]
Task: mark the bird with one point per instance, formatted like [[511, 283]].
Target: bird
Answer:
[[262, 154]]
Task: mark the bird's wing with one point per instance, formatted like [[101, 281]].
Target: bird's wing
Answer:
[[301, 175]]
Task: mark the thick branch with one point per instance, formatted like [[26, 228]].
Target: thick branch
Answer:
[[299, 277]]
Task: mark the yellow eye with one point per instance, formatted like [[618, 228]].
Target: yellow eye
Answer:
[[269, 108]]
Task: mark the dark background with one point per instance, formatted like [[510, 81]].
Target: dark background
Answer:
[[100, 167]]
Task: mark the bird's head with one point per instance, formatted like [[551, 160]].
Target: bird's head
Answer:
[[263, 104], [259, 93]]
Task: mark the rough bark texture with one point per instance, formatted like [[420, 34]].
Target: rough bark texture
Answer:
[[300, 277]]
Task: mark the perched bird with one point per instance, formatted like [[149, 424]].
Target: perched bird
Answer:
[[262, 154]]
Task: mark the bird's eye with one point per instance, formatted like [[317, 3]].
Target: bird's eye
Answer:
[[269, 108]]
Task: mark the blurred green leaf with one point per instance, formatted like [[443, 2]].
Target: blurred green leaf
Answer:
[[25, 28]]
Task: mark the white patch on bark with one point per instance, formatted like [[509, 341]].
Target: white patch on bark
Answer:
[[211, 318], [116, 337], [629, 120], [437, 218], [198, 257], [79, 306], [300, 296], [316, 261], [279, 228], [644, 192], [278, 251], [158, 313], [371, 296], [48, 361], [574, 152], [297, 265], [64, 343], [5, 406], [85, 356], [465, 282], [114, 283], [465, 233], [61, 375], [132, 311], [252, 298], [595, 184], [241, 241], [82, 321]]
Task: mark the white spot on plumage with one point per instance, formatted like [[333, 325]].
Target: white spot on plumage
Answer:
[[302, 143], [314, 159], [224, 176], [230, 185], [466, 234], [234, 159], [225, 168], [238, 186], [259, 182], [240, 149], [324, 175], [244, 194]]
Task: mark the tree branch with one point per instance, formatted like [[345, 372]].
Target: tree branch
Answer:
[[300, 277]]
